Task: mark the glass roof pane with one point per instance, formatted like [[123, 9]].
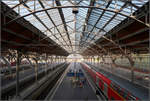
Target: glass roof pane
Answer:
[[92, 26]]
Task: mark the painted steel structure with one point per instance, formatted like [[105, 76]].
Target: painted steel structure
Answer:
[[47, 29]]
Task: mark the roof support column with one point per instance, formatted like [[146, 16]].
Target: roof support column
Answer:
[[132, 70], [113, 63], [55, 59], [36, 69], [99, 60], [91, 60], [18, 56], [52, 62], [88, 59], [8, 64], [46, 65], [27, 57]]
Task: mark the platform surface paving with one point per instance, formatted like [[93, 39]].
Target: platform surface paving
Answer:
[[69, 91]]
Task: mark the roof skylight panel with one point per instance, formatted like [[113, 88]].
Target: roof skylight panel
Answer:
[[82, 11], [23, 11], [101, 4], [85, 2], [100, 23], [109, 26], [52, 37], [113, 7], [49, 34], [103, 23], [89, 28], [96, 37], [97, 11], [71, 26], [68, 14], [79, 27], [38, 25], [35, 22], [139, 3], [47, 3], [43, 16], [109, 13], [93, 20], [120, 17], [61, 28], [95, 30], [58, 42], [47, 22], [11, 3], [58, 35], [93, 16], [31, 19], [55, 16]]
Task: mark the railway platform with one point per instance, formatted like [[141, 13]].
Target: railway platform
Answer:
[[70, 87]]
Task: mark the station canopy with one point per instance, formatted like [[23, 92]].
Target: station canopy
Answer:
[[75, 28]]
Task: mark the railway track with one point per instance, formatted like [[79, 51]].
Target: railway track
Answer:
[[8, 92], [45, 88]]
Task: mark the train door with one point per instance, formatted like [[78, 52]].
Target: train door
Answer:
[[97, 81], [101, 84], [105, 89]]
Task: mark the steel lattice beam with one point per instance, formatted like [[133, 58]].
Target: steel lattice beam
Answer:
[[110, 20], [52, 22], [87, 18], [28, 8], [63, 20]]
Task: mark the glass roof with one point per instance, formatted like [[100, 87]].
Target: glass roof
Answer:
[[76, 31]]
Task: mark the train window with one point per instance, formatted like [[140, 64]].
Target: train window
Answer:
[[118, 90], [124, 94], [112, 98], [97, 81], [105, 89], [101, 84], [130, 97], [115, 87]]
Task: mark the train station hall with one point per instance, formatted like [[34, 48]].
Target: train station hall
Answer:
[[75, 50]]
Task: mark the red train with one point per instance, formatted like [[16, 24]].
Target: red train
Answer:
[[111, 90]]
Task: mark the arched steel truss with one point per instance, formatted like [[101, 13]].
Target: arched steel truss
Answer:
[[93, 7], [77, 6]]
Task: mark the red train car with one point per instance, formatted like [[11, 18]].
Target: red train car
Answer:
[[111, 90]]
